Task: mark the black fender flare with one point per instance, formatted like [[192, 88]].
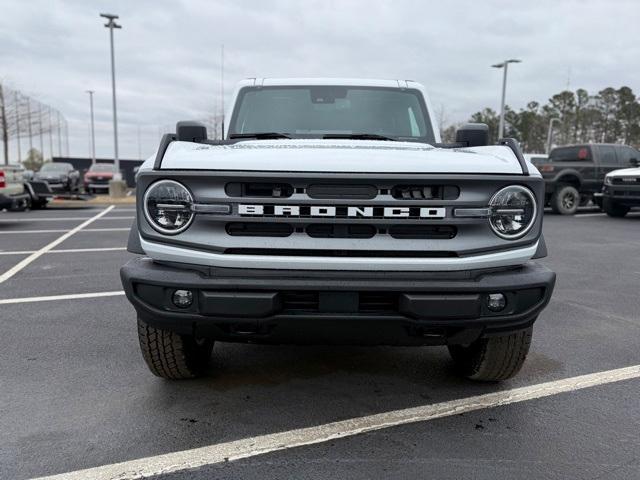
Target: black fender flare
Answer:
[[566, 173], [133, 243], [541, 251]]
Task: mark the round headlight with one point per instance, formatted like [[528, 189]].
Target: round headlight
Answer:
[[167, 206], [513, 212]]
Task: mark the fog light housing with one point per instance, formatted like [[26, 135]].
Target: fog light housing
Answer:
[[496, 302], [182, 298]]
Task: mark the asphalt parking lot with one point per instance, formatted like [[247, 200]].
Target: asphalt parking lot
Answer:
[[75, 393]]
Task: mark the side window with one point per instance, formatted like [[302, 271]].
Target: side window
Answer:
[[625, 154], [415, 131], [608, 155]]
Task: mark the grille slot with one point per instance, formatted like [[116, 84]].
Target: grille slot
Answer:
[[365, 192], [425, 192], [378, 302], [251, 189], [257, 229], [368, 302], [329, 230], [300, 301], [435, 232]]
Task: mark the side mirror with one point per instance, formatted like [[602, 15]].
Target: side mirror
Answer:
[[473, 134], [633, 162], [190, 132]]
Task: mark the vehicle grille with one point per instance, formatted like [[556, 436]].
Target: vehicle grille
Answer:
[[354, 215], [331, 230], [368, 302], [626, 181]]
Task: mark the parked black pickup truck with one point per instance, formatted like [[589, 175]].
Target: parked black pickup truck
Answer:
[[572, 174]]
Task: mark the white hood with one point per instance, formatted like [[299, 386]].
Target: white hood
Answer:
[[341, 156], [625, 172]]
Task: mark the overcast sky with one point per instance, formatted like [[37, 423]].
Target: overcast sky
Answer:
[[168, 53]]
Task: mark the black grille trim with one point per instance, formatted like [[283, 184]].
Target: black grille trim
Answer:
[[259, 229], [259, 189], [425, 192], [434, 232], [333, 230], [300, 301], [373, 302], [337, 191], [368, 302]]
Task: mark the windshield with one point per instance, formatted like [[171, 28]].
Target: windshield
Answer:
[[55, 167], [316, 111], [101, 167]]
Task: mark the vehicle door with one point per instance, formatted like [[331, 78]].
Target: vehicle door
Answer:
[[627, 156], [607, 162], [575, 158]]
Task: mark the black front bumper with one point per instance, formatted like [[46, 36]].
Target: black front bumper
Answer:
[[13, 201], [403, 308], [622, 194]]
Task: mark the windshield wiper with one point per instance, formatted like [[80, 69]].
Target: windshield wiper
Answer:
[[260, 135], [359, 136]]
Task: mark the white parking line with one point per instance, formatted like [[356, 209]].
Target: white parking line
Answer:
[[260, 445], [584, 215], [72, 296], [67, 250], [50, 246], [60, 219], [122, 229]]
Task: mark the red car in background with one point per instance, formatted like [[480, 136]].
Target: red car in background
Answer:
[[97, 177]]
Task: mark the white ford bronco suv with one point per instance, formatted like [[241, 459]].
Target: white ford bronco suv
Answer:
[[332, 214]]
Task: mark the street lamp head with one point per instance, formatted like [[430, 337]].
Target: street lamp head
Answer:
[[112, 20], [503, 64]]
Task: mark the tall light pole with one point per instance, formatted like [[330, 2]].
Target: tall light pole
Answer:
[[111, 24], [66, 137], [550, 132], [17, 100], [93, 132], [222, 87], [50, 133], [504, 66], [59, 133]]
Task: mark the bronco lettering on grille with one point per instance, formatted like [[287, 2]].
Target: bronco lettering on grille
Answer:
[[340, 211]]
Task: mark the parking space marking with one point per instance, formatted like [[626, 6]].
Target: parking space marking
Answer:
[[50, 246], [122, 229], [263, 444], [67, 250], [586, 215], [60, 219], [51, 298]]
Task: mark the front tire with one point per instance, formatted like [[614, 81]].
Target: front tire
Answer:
[[492, 359], [171, 355], [614, 209], [565, 200]]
